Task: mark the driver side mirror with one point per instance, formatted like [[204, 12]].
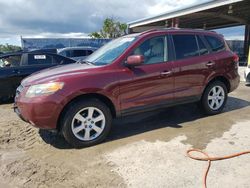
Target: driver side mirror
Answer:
[[135, 60]]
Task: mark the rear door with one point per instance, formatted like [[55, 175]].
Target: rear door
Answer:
[[149, 85], [191, 67], [32, 63], [225, 58]]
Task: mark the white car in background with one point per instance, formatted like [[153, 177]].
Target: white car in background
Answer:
[[76, 53], [247, 71], [247, 74]]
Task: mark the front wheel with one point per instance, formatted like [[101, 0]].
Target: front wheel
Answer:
[[86, 123], [214, 98]]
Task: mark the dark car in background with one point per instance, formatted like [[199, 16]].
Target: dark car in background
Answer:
[[16, 66], [76, 53]]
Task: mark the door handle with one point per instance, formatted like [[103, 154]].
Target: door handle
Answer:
[[166, 73], [210, 64]]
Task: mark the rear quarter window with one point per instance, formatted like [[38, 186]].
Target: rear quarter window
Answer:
[[215, 43], [203, 50]]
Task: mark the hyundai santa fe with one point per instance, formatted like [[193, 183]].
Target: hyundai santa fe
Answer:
[[135, 73]]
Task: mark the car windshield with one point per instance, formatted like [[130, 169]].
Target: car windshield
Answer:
[[109, 52]]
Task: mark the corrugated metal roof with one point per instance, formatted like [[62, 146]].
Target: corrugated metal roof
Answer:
[[182, 12]]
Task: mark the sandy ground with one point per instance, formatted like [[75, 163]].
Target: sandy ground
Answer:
[[147, 150]]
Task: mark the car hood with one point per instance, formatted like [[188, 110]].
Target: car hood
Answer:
[[55, 73]]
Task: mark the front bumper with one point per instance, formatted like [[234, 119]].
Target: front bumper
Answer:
[[16, 110], [234, 81], [41, 112]]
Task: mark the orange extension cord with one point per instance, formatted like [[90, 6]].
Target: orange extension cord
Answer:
[[210, 159]]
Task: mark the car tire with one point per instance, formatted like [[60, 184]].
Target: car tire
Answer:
[[86, 123], [214, 98]]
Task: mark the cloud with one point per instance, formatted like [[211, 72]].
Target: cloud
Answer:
[[26, 17], [76, 18], [63, 16]]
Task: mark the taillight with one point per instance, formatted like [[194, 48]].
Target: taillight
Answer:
[[236, 61], [236, 58]]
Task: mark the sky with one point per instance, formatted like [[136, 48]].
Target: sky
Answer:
[[78, 18]]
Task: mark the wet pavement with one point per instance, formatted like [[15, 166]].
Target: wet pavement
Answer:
[[145, 150]]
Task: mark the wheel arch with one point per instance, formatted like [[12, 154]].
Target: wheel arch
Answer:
[[98, 96], [223, 79]]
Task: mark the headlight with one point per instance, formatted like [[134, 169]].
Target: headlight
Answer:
[[44, 89]]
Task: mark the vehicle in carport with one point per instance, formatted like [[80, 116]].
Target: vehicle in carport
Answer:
[[16, 66], [131, 74]]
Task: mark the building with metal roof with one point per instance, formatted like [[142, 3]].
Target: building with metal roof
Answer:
[[210, 15]]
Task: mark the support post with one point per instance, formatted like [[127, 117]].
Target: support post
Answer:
[[247, 41], [248, 63], [175, 22]]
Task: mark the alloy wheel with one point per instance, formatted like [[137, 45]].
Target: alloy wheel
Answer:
[[216, 97], [88, 123]]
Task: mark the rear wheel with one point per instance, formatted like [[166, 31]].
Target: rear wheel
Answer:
[[86, 123], [214, 98]]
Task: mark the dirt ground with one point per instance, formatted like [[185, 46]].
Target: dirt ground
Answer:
[[146, 150]]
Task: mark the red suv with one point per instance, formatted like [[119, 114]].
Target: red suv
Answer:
[[131, 74]]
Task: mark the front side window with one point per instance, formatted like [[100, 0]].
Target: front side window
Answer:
[[111, 51], [11, 61], [152, 50], [215, 43], [185, 46]]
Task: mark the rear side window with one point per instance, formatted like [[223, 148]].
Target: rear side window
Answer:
[[215, 43], [88, 52], [39, 59], [185, 46], [202, 48], [62, 60], [78, 53]]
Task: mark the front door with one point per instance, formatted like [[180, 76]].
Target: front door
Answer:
[[149, 85]]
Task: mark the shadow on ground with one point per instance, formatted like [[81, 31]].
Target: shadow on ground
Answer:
[[141, 123]]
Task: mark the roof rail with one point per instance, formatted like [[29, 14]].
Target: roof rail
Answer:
[[148, 31]]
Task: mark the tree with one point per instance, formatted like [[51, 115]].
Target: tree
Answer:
[[9, 48], [111, 29]]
